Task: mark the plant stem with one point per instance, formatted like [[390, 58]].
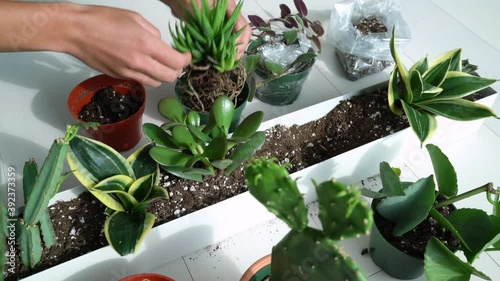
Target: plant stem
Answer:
[[484, 188]]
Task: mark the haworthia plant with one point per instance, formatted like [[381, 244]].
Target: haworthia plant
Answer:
[[187, 149], [125, 186], [407, 204], [343, 214], [435, 88]]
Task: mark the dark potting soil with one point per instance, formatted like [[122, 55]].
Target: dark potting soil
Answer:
[[415, 241], [107, 106], [78, 224], [370, 25]]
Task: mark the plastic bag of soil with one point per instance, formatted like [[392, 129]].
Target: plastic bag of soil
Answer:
[[361, 30]]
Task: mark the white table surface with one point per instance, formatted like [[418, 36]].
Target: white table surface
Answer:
[[34, 89]]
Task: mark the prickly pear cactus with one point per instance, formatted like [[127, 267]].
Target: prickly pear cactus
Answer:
[[309, 255], [271, 184], [342, 211]]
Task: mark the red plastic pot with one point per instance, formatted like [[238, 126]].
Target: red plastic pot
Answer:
[[147, 277], [122, 135]]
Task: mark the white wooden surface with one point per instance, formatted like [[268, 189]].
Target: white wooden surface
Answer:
[[34, 89]]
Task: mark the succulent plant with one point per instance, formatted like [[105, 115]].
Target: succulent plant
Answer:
[[207, 34], [190, 150], [125, 186], [342, 212], [435, 88], [407, 204], [295, 25]]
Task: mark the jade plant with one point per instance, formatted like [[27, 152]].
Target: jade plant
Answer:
[[408, 204], [342, 212], [186, 148], [290, 29], [125, 186], [435, 88], [210, 36]]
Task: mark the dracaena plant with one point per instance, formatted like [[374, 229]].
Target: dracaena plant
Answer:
[[407, 204], [287, 29], [342, 213], [208, 34], [125, 186], [186, 148], [435, 88]]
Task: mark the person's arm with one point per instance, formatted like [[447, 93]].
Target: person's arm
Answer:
[[178, 10], [117, 42]]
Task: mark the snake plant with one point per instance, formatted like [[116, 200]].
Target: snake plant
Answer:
[[207, 34], [125, 186], [436, 87], [407, 204], [307, 253], [189, 150]]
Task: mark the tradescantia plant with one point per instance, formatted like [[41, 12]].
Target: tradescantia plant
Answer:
[[209, 35], [189, 150], [289, 29], [125, 186], [435, 88], [342, 212], [407, 204]]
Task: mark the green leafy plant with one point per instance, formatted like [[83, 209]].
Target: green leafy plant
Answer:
[[187, 149], [209, 35], [125, 186], [342, 212], [287, 29], [407, 204], [435, 88]]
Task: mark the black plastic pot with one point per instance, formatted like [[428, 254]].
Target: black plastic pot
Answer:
[[242, 98]]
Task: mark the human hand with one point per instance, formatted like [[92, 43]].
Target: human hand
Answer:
[[123, 44]]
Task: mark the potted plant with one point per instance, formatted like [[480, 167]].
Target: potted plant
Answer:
[[116, 104], [146, 277], [435, 88], [418, 228], [215, 70], [306, 252], [125, 186], [188, 149], [282, 55]]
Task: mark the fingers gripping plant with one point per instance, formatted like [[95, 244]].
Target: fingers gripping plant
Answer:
[[125, 186], [189, 150], [342, 212], [407, 204], [435, 88]]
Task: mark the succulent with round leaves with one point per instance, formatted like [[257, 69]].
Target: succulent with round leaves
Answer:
[[208, 35], [125, 186], [287, 28], [187, 149], [342, 212], [435, 88], [407, 204]]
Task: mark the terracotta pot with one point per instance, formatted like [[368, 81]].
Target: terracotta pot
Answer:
[[147, 277], [259, 270], [122, 135]]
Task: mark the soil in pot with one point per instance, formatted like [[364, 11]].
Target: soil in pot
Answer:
[[107, 107], [354, 122]]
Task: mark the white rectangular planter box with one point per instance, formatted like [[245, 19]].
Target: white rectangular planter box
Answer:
[[197, 230]]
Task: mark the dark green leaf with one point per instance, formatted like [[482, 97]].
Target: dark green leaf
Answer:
[[249, 125], [245, 150], [303, 58], [459, 109], [459, 85], [223, 112], [391, 185], [441, 264], [189, 173], [198, 133], [222, 164], [417, 86], [393, 93], [158, 135], [421, 65], [424, 125], [168, 157], [275, 68], [445, 174], [216, 149], [126, 231], [290, 36], [142, 164], [183, 137], [251, 63], [419, 199], [142, 187]]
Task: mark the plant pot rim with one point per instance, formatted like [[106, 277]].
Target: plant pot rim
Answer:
[[256, 268], [146, 276]]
